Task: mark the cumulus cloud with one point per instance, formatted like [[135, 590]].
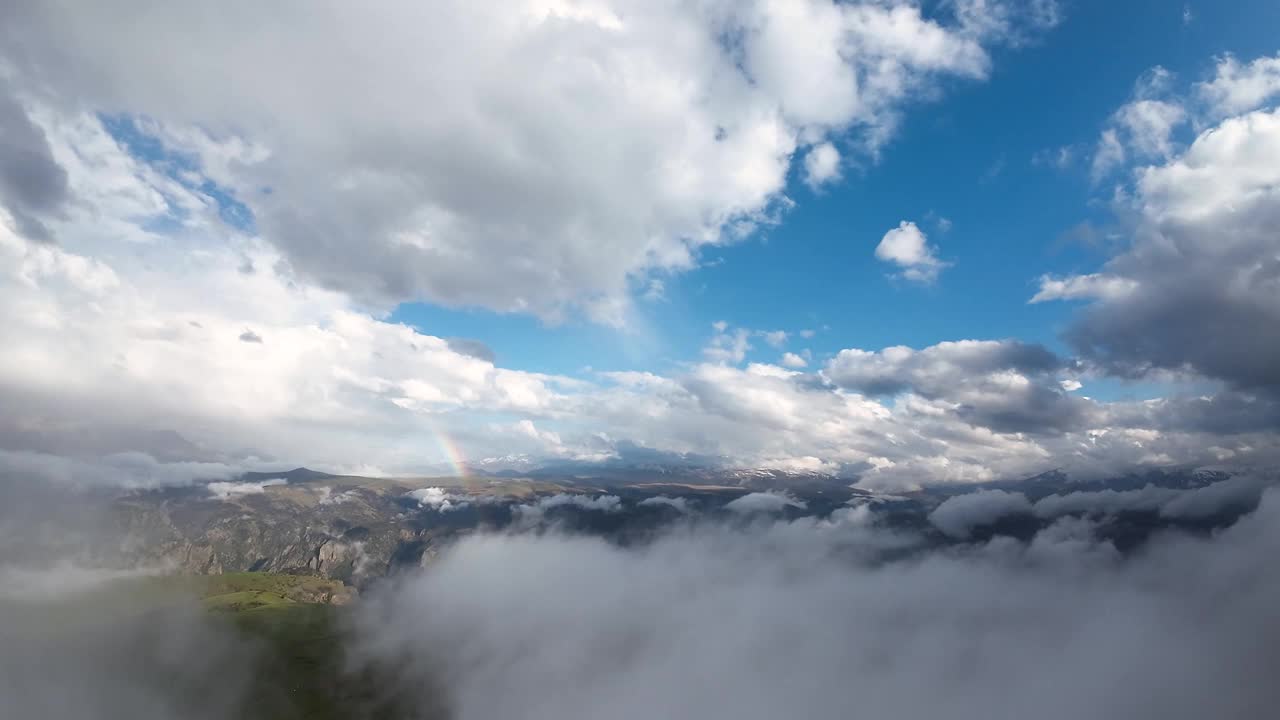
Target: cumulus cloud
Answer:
[[1142, 129], [124, 343], [1149, 124], [1082, 287], [793, 361], [232, 490], [776, 622], [728, 346], [775, 338], [679, 503], [765, 502], [438, 499], [33, 185], [535, 513], [1005, 385], [1109, 154], [958, 516], [1200, 275], [1107, 502], [964, 412], [822, 165], [487, 197], [907, 247], [326, 496], [1241, 87], [1237, 494], [154, 339]]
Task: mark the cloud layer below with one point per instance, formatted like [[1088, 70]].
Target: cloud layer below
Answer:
[[804, 619]]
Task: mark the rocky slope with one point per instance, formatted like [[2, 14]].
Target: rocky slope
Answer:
[[358, 529]]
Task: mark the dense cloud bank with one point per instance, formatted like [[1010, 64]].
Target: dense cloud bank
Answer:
[[733, 615], [778, 622]]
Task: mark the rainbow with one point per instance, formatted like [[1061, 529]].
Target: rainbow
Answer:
[[450, 450]]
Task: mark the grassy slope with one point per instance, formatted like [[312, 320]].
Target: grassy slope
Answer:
[[294, 647], [301, 665], [256, 591]]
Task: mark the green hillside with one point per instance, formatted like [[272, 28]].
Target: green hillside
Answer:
[[251, 646], [301, 668]]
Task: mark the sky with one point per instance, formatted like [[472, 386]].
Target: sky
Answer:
[[907, 243]]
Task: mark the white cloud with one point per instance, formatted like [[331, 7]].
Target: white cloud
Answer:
[[1238, 88], [1150, 125], [821, 165], [958, 516], [726, 346], [131, 332], [338, 389], [571, 151], [1107, 502], [1202, 250], [1059, 158], [1238, 494], [679, 503], [793, 361], [1003, 385], [438, 499], [747, 624], [1093, 286], [230, 490], [122, 341], [535, 513], [1109, 154], [326, 496], [764, 502], [907, 247], [775, 338], [1142, 129]]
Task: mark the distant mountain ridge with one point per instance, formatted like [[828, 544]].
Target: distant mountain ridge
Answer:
[[607, 474], [357, 529], [296, 475]]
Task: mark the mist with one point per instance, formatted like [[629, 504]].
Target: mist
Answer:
[[813, 618], [82, 634], [722, 615], [82, 643]]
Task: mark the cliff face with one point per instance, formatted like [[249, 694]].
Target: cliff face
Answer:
[[282, 529], [358, 529]]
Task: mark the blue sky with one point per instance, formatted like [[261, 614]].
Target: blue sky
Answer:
[[967, 157]]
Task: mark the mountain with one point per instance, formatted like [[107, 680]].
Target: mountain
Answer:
[[1058, 481], [358, 529], [296, 475]]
